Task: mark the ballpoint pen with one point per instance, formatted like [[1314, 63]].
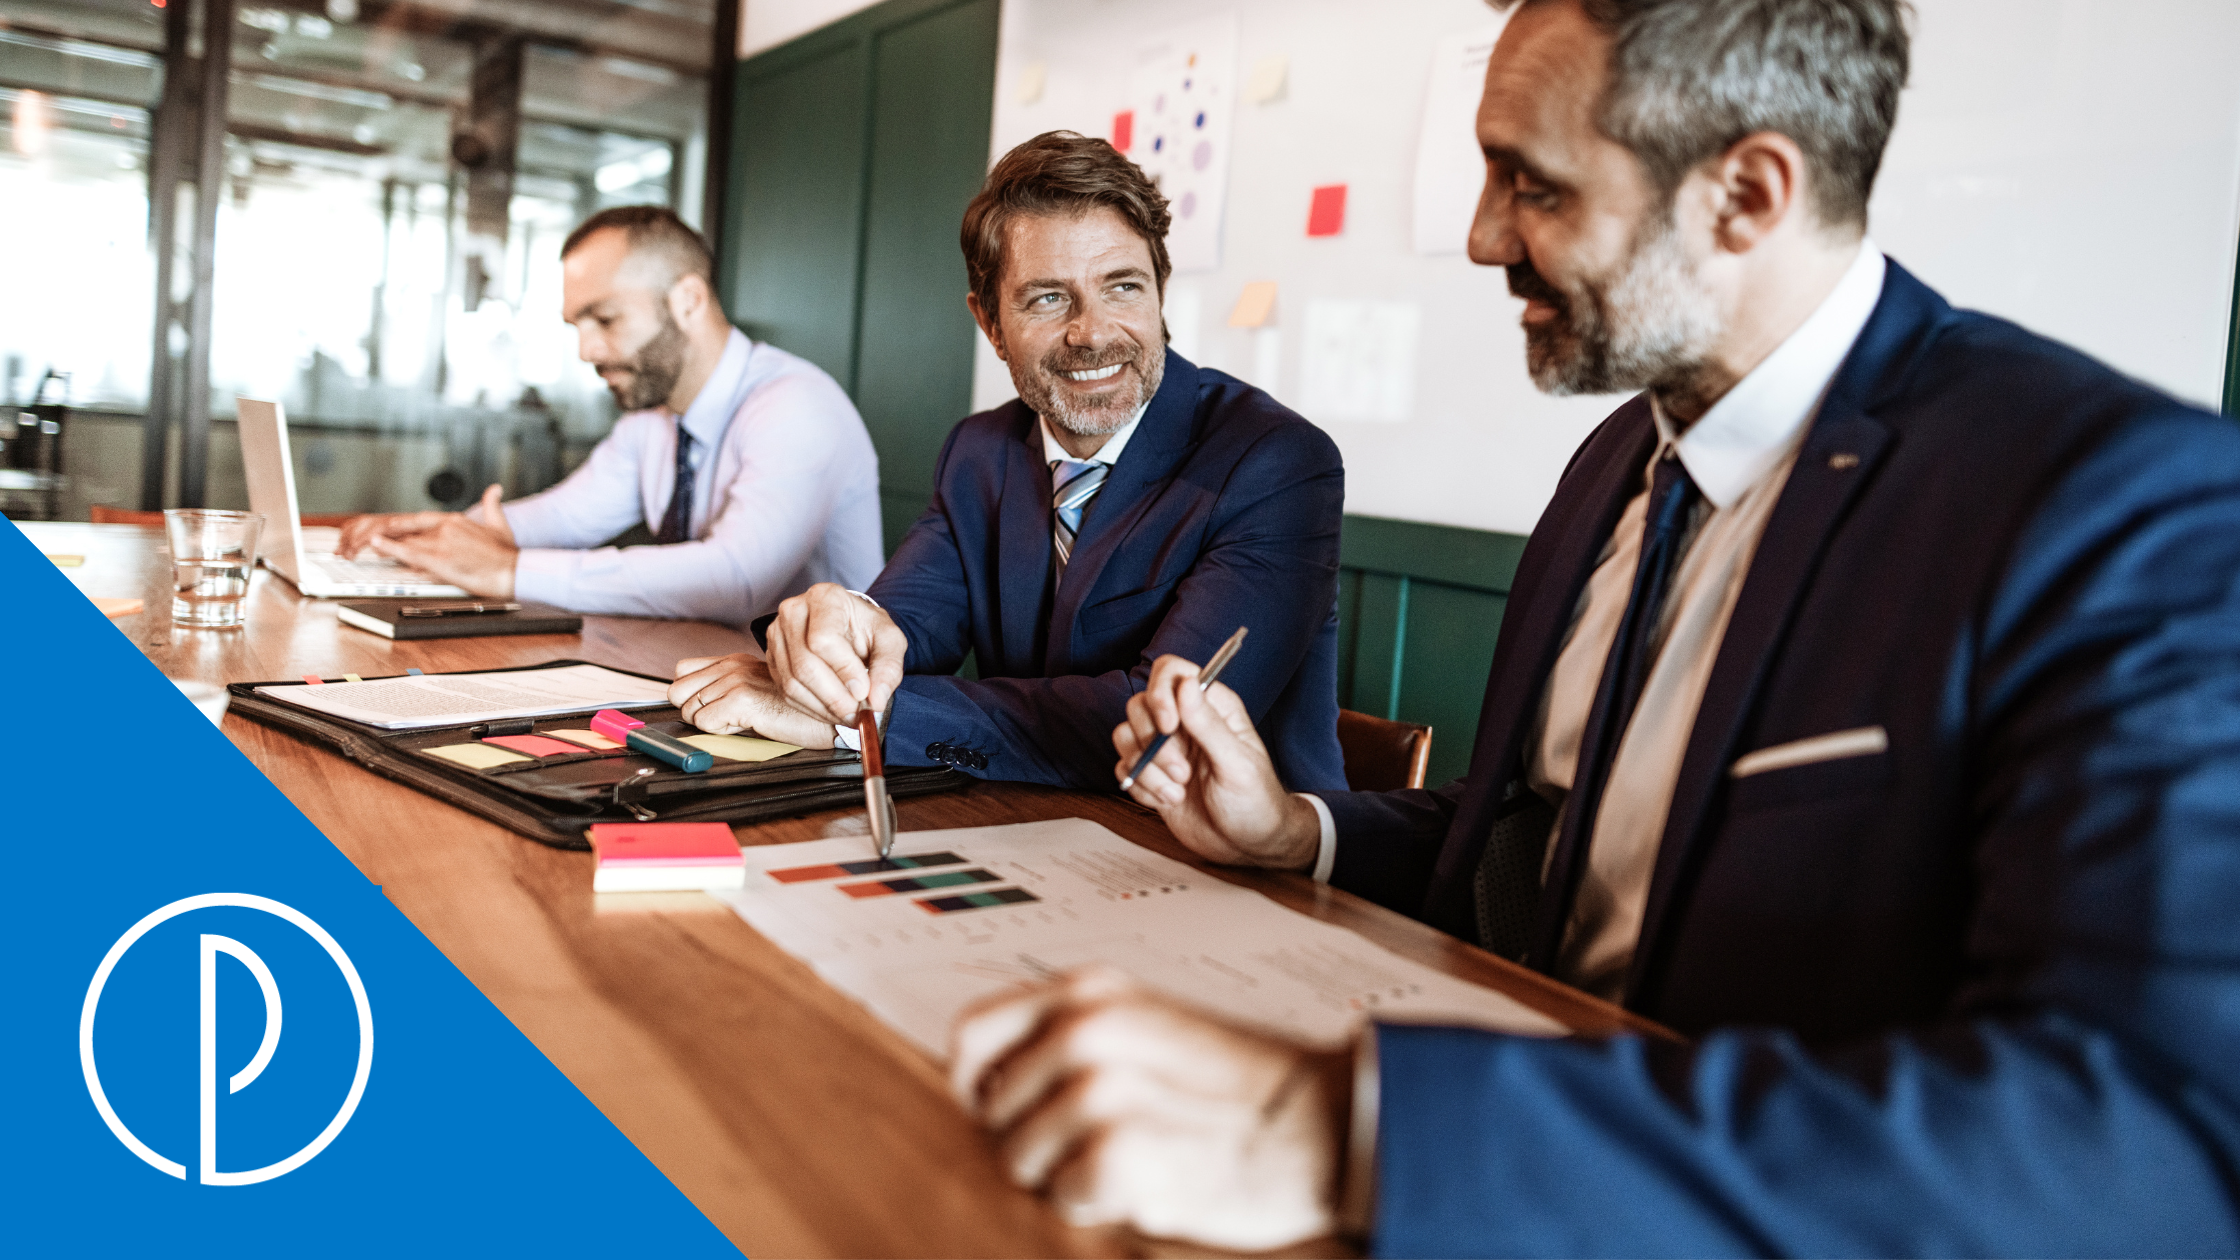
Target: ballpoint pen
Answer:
[[1206, 678], [875, 781]]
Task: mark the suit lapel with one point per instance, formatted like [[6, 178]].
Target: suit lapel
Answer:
[[1552, 572], [1161, 442], [1834, 466], [1024, 529]]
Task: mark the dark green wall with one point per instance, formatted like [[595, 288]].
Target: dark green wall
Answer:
[[857, 147], [1419, 606]]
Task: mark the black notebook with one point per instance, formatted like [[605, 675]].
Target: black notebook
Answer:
[[385, 618]]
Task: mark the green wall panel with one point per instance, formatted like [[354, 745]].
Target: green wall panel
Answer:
[[934, 80], [792, 246]]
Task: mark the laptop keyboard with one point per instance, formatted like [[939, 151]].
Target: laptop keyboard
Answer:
[[375, 571]]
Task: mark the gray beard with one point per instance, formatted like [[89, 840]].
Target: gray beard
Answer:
[[1040, 393], [1651, 327]]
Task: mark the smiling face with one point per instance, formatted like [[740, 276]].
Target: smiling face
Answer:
[[619, 305], [1601, 256], [1077, 319]]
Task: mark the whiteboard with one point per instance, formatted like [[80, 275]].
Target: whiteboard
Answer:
[[2070, 164]]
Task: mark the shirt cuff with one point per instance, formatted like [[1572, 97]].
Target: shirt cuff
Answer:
[[1357, 1184], [1326, 851], [545, 575], [846, 737]]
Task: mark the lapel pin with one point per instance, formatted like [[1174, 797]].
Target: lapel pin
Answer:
[[1842, 460]]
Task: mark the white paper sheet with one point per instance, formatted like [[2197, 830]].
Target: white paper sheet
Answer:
[[1090, 896], [1357, 361], [1450, 168], [418, 700]]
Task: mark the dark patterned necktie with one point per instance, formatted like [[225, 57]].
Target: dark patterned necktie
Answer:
[[676, 523], [1073, 483], [1508, 876]]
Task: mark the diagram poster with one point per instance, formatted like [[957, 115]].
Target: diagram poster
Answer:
[[1181, 96]]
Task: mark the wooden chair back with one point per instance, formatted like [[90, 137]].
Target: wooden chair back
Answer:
[[1383, 755]]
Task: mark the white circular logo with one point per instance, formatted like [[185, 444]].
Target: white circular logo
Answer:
[[212, 946]]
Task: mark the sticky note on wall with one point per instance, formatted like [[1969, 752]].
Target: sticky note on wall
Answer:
[[1124, 130], [1254, 305], [1327, 216], [1033, 77], [1267, 81]]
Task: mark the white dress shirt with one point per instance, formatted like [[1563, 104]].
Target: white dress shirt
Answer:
[[785, 494], [1739, 455]]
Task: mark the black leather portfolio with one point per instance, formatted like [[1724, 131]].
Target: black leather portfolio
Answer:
[[552, 799]]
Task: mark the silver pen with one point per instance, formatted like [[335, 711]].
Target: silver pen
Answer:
[[1206, 678]]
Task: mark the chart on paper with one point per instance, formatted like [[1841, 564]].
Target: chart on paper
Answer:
[[954, 916]]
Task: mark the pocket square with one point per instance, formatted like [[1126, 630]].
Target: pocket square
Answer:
[[1864, 741]]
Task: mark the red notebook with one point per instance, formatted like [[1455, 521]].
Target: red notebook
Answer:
[[666, 857]]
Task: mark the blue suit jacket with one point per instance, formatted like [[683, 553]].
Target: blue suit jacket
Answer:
[[1223, 511], [1978, 994]]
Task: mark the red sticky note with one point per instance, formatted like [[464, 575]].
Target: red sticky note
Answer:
[[1124, 130], [1328, 216], [315, 680], [535, 745]]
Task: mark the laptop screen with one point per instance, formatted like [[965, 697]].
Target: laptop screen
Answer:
[[272, 483]]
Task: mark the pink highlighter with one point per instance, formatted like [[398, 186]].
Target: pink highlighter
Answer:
[[630, 732]]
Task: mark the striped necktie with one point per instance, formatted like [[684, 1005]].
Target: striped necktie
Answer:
[[1074, 482], [676, 523]]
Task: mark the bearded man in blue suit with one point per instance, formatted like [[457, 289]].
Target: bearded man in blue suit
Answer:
[[1867, 710], [1127, 505]]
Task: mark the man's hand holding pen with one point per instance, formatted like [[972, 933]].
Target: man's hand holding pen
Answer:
[[833, 652], [1212, 781]]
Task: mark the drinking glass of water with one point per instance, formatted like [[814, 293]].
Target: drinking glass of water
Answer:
[[212, 555]]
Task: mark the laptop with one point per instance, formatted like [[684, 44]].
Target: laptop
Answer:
[[306, 556]]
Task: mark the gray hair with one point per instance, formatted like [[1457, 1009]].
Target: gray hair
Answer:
[[1688, 78]]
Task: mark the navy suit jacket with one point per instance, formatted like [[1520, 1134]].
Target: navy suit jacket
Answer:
[[1223, 511], [1977, 994]]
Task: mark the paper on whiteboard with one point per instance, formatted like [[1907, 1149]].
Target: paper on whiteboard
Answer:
[[1357, 361], [1450, 168], [1067, 893], [1182, 95], [416, 701]]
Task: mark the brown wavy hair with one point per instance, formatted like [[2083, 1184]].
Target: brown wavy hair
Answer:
[[1059, 172]]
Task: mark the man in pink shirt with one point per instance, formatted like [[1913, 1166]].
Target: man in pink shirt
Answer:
[[749, 465]]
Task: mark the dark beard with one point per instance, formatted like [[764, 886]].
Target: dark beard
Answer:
[[1038, 388], [654, 369]]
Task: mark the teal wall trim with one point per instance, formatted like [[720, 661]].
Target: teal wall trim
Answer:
[[1419, 607]]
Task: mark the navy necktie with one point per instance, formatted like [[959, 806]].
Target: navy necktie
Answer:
[[676, 523], [1509, 890]]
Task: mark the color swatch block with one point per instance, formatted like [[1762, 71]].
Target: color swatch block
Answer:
[[871, 866], [977, 900], [919, 883]]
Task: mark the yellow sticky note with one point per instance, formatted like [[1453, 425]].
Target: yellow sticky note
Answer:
[[66, 562], [589, 739], [1268, 76], [1032, 78], [738, 747], [1254, 305], [476, 756], [352, 678]]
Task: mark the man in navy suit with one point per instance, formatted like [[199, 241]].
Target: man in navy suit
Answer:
[[1127, 505], [1867, 709]]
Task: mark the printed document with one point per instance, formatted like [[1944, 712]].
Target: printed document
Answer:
[[954, 916], [417, 700]]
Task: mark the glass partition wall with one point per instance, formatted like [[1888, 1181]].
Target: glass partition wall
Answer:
[[393, 184]]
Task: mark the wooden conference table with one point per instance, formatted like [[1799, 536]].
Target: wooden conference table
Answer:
[[784, 1111]]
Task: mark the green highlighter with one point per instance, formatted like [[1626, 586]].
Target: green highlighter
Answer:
[[629, 731]]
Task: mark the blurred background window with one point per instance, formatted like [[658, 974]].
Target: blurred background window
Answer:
[[384, 255]]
